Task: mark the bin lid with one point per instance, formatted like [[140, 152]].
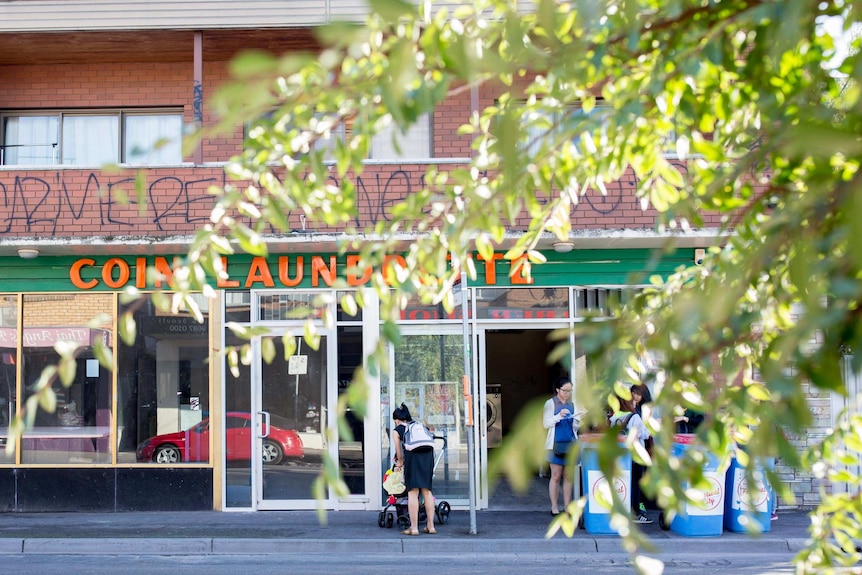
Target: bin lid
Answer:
[[596, 437], [684, 438]]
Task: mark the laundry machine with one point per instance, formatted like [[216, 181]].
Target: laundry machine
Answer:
[[494, 413]]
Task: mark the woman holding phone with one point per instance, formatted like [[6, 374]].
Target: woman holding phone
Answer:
[[562, 422]]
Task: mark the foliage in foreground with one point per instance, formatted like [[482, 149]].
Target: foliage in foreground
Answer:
[[749, 92]]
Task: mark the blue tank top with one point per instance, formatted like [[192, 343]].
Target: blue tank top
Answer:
[[563, 429]]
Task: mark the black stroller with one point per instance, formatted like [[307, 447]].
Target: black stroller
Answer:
[[395, 510]]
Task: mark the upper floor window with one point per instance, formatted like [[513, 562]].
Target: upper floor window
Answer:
[[391, 144], [388, 144], [91, 138], [542, 126]]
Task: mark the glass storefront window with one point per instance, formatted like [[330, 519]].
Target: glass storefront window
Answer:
[[237, 306], [163, 388], [427, 379], [8, 367], [522, 303], [351, 453], [237, 399], [341, 315], [421, 312], [294, 402], [78, 431], [290, 306], [601, 302]]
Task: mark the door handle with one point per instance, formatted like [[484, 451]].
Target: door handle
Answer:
[[265, 422]]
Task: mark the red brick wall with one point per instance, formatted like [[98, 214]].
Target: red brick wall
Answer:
[[75, 203], [96, 85], [83, 202]]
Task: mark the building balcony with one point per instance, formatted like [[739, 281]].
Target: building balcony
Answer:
[[104, 15]]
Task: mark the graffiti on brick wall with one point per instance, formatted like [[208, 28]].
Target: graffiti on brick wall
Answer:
[[69, 203], [198, 103], [33, 204]]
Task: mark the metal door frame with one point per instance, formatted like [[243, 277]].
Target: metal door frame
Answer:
[[439, 329], [853, 405], [480, 367], [330, 430]]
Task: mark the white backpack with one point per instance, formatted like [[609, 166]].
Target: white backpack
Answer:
[[417, 435]]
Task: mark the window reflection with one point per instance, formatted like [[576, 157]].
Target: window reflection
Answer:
[[427, 376], [8, 375], [416, 310], [163, 388], [351, 452], [78, 430], [522, 303], [237, 399]]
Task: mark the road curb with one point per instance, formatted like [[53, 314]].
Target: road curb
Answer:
[[11, 546], [797, 544], [395, 546], [115, 546], [306, 546]]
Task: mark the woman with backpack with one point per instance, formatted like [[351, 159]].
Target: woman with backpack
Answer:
[[630, 423], [418, 466]]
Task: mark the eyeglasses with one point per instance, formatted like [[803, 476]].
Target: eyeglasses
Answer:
[[564, 390]]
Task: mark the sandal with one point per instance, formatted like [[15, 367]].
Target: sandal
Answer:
[[429, 531], [408, 532]]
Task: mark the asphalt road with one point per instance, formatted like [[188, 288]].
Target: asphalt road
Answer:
[[368, 564]]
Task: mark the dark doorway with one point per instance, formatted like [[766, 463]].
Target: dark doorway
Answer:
[[516, 373]]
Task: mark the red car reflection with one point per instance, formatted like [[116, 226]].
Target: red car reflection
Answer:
[[194, 444]]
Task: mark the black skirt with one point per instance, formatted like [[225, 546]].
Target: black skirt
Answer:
[[418, 468]]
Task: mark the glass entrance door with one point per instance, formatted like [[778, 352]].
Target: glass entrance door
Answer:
[[427, 372], [293, 427]]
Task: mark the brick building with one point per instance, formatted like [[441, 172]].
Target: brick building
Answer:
[[96, 84]]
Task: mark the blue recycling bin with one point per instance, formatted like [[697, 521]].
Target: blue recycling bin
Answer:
[[597, 513], [707, 519], [740, 508]]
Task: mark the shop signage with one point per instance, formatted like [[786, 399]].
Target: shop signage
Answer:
[[529, 313], [48, 336], [282, 271], [174, 326]]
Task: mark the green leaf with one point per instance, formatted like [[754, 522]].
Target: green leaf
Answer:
[[249, 240], [288, 341], [392, 10], [68, 370], [267, 350], [104, 354], [758, 392], [127, 328], [48, 399], [251, 63]]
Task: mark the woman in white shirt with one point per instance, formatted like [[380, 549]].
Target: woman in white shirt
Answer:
[[628, 419], [562, 422]]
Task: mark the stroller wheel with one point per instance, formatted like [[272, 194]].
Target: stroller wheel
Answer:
[[403, 522], [390, 519], [442, 512], [381, 519]]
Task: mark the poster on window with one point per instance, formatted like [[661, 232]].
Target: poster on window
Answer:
[[440, 402]]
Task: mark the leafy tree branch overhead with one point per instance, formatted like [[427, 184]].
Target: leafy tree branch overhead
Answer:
[[745, 94]]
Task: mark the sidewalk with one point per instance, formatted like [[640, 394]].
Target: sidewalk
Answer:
[[284, 532]]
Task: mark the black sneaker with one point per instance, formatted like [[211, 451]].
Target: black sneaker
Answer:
[[643, 519]]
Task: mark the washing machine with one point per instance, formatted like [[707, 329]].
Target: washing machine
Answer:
[[494, 413]]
